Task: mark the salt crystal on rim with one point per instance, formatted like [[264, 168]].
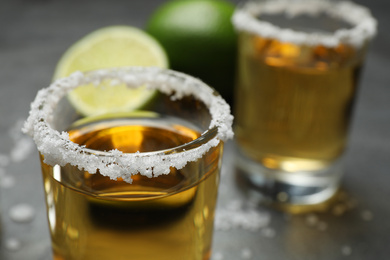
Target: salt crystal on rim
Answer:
[[56, 147], [363, 24]]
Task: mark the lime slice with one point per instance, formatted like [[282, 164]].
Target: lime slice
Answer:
[[109, 47]]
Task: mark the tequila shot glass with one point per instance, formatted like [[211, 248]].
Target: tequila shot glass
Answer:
[[131, 184], [299, 64]]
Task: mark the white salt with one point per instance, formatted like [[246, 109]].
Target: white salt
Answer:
[[351, 203], [282, 196], [367, 215], [12, 244], [234, 205], [346, 250], [22, 149], [235, 215], [312, 220], [217, 256], [15, 130], [339, 209], [322, 226], [22, 213], [268, 232], [7, 181], [246, 253], [22, 146], [58, 149], [363, 24]]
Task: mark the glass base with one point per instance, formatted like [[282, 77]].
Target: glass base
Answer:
[[290, 188]]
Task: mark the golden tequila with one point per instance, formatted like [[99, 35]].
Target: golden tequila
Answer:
[[166, 217], [294, 102], [298, 69]]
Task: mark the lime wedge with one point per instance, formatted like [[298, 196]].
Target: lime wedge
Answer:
[[109, 47]]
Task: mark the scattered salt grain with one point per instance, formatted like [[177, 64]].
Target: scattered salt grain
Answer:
[[351, 203], [247, 219], [234, 205], [268, 232], [15, 130], [23, 145], [12, 244], [22, 149], [246, 253], [322, 226], [7, 181], [339, 209], [367, 215], [282, 196], [311, 220], [217, 256], [22, 213], [346, 250]]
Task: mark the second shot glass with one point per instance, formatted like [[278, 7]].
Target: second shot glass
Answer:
[[299, 65]]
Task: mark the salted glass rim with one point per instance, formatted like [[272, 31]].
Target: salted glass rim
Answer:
[[363, 24], [57, 149]]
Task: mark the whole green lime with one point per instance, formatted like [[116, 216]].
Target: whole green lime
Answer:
[[199, 39]]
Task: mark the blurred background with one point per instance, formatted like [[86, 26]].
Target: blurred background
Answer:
[[33, 36]]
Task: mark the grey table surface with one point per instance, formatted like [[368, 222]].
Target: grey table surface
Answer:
[[34, 34]]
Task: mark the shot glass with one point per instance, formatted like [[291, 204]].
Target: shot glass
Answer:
[[298, 68], [131, 185]]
